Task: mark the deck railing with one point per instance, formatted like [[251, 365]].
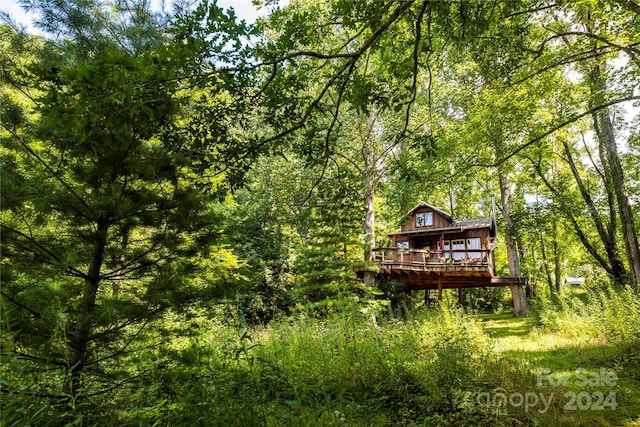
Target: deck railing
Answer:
[[387, 256]]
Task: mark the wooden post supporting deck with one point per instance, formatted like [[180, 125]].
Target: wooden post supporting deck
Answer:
[[439, 290]]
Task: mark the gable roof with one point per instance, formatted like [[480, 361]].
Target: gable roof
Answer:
[[454, 224], [426, 205]]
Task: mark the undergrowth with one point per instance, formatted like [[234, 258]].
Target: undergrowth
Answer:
[[431, 369], [613, 314]]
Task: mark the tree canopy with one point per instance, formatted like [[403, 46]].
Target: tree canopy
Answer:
[[158, 165]]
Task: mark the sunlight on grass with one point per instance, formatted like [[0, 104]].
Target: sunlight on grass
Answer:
[[584, 355]]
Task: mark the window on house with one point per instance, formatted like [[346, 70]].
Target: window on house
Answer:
[[424, 219], [473, 243], [404, 245], [446, 248], [458, 245]]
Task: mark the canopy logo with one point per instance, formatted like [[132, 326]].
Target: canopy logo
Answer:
[[588, 391]]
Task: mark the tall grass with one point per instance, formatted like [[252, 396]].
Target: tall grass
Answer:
[[346, 369], [342, 370], [611, 314]]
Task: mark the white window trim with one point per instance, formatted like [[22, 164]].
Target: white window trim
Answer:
[[458, 244], [428, 219], [471, 250]]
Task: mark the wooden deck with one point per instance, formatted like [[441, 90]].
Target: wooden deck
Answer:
[[418, 257], [453, 269]]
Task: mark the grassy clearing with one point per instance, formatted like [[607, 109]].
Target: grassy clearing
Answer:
[[584, 350], [576, 373], [437, 368]]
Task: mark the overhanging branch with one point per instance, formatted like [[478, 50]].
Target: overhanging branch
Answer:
[[559, 126]]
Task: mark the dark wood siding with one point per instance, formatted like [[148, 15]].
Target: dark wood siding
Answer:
[[439, 221]]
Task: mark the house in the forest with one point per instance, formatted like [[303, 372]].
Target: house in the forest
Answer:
[[435, 251]]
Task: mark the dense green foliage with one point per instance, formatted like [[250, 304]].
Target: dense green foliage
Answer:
[[185, 198], [344, 369], [110, 205]]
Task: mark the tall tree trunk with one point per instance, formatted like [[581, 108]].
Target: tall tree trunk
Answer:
[[605, 133], [522, 255], [589, 245], [369, 228], [555, 240], [533, 274], [607, 234], [556, 254], [545, 263], [603, 127], [520, 305], [369, 170], [78, 336]]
